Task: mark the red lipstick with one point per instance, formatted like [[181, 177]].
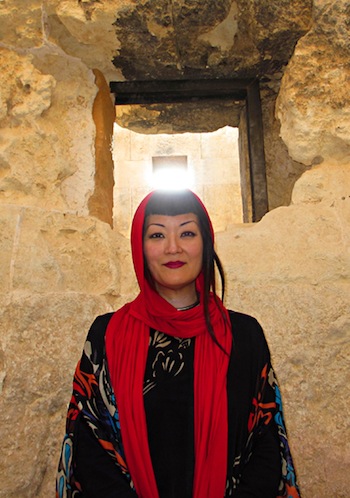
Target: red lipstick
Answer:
[[174, 264]]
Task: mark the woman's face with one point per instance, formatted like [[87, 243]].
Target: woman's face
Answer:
[[173, 249]]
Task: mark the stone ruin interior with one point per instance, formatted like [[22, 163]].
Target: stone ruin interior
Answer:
[[172, 77]]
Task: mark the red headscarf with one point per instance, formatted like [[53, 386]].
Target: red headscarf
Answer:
[[127, 340]]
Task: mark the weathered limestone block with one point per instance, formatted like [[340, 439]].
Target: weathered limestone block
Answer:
[[281, 171], [298, 257], [332, 21], [85, 29], [292, 271], [55, 251], [42, 339], [327, 184], [314, 101], [21, 26], [308, 331], [25, 92], [8, 245], [44, 97], [158, 39], [58, 272]]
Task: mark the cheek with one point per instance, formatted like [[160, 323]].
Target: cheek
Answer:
[[198, 256], [150, 254]]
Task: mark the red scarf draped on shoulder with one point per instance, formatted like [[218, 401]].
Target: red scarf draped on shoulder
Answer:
[[127, 340]]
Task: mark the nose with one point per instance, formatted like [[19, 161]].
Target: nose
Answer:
[[172, 245]]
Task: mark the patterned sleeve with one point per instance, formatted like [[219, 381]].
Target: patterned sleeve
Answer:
[[265, 424], [92, 403], [288, 486], [262, 464]]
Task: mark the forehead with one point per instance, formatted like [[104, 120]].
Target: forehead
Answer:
[[171, 221]]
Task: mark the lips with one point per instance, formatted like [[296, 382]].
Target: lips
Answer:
[[174, 264]]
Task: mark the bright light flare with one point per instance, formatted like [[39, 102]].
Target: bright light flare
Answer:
[[171, 178], [170, 173]]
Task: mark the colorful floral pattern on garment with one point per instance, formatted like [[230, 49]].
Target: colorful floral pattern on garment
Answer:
[[290, 488], [93, 398], [263, 410]]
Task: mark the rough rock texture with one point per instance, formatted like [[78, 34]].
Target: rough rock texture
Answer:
[[42, 161], [225, 38], [103, 111], [299, 290], [60, 266], [323, 57], [48, 297], [281, 170], [192, 117], [84, 29]]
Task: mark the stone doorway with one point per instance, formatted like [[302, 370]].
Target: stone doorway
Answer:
[[212, 167]]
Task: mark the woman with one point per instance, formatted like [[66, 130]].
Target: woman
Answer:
[[175, 396]]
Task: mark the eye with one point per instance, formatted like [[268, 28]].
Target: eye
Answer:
[[188, 233], [155, 235]]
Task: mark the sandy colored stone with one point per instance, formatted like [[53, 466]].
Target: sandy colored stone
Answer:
[[86, 30], [224, 204], [19, 26], [328, 184], [8, 245], [42, 161], [307, 328], [291, 271], [61, 267], [28, 90], [314, 104], [47, 306], [281, 170], [46, 249], [42, 339]]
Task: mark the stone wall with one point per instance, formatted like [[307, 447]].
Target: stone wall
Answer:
[[60, 266]]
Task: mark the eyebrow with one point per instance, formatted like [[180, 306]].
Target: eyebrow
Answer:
[[163, 226]]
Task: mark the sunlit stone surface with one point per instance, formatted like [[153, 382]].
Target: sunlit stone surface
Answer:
[[61, 261]]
